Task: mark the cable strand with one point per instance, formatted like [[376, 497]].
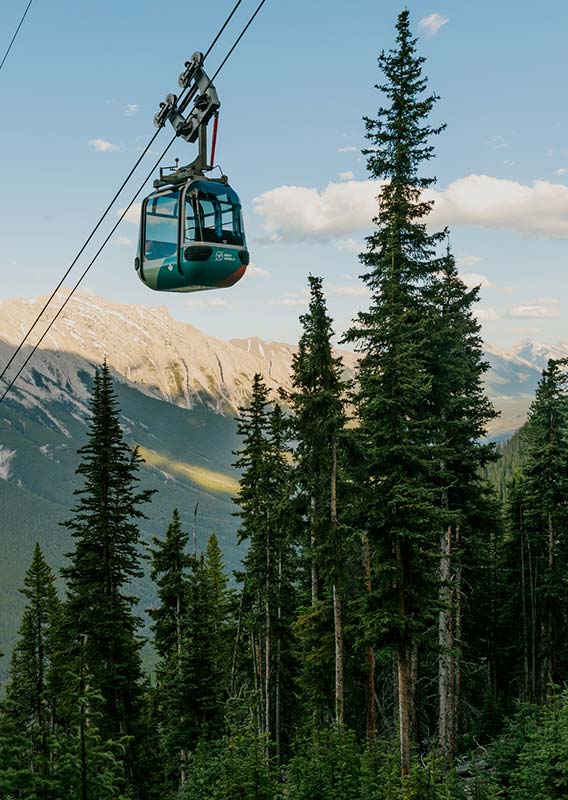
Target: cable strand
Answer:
[[6, 54], [85, 271]]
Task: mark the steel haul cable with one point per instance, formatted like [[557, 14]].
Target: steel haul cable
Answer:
[[6, 54], [123, 214], [85, 271], [104, 214]]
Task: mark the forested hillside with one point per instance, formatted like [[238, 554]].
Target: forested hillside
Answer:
[[395, 629]]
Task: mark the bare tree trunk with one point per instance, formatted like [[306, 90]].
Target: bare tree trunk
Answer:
[[404, 708], [82, 723], [403, 668], [314, 568], [532, 585], [277, 710], [183, 751], [267, 640], [256, 671], [457, 643], [370, 682], [526, 666], [414, 697], [550, 638], [446, 645], [338, 637], [337, 609], [237, 642]]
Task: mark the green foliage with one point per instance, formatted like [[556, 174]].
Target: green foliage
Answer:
[[542, 766], [325, 766], [268, 598], [26, 719], [83, 756], [236, 766], [169, 567]]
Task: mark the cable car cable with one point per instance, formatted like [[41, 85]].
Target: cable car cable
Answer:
[[85, 271], [15, 34], [216, 39], [108, 208], [114, 228], [77, 257]]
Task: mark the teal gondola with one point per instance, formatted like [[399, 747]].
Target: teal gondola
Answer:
[[192, 238]]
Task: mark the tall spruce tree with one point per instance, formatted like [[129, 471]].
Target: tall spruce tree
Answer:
[[170, 565], [317, 399], [538, 525], [27, 716], [170, 570], [461, 412], [100, 624], [395, 381], [266, 576]]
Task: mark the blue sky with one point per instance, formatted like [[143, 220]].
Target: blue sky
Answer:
[[84, 80]]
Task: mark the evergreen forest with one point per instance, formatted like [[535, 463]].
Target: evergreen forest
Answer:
[[396, 629]]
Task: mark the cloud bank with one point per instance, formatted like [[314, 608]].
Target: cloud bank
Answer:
[[102, 146], [432, 24], [300, 213]]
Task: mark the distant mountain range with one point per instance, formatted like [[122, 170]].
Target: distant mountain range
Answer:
[[178, 390]]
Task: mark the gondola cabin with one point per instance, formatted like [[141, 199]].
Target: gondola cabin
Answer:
[[192, 238]]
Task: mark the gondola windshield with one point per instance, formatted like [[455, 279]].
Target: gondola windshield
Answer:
[[161, 226], [213, 214]]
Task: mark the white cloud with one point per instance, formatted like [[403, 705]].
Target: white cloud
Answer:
[[102, 146], [472, 279], [348, 149], [481, 200], [300, 299], [121, 241], [346, 176], [467, 261], [561, 171], [133, 213], [432, 24], [299, 213], [497, 143], [539, 309], [486, 314], [257, 272], [206, 302], [130, 109], [351, 245]]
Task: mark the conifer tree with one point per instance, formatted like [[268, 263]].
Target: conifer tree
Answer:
[[263, 501], [393, 398], [100, 624], [170, 570], [319, 420], [539, 525], [190, 626], [87, 765], [28, 711], [170, 564], [461, 412]]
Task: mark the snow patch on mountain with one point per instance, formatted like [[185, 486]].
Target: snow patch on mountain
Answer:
[[6, 458]]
